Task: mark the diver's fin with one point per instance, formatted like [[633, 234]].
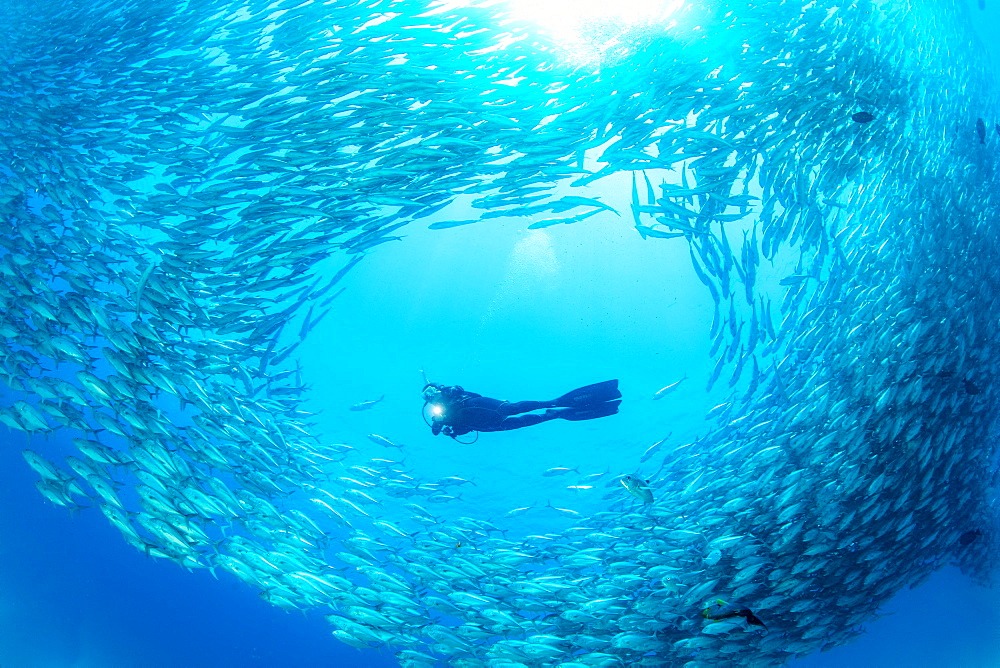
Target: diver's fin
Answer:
[[590, 411], [590, 394]]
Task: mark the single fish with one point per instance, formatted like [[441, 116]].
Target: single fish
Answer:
[[565, 511], [559, 470], [382, 440], [637, 488], [969, 537], [862, 117], [664, 391], [444, 224], [573, 201], [564, 221], [794, 279], [654, 448], [141, 286], [646, 231], [366, 405], [517, 511]]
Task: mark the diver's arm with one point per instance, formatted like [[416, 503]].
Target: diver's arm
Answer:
[[436, 427]]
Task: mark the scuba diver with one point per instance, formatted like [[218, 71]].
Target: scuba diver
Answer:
[[455, 411]]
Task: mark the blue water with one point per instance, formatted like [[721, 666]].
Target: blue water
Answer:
[[502, 311]]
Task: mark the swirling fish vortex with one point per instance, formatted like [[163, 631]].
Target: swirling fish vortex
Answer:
[[174, 171]]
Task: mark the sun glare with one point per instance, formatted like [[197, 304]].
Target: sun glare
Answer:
[[564, 19]]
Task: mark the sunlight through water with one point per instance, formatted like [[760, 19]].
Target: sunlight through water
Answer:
[[580, 25]]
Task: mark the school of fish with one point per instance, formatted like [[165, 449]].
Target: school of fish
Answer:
[[173, 172]]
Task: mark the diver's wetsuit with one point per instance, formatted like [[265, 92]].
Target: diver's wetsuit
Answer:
[[463, 411], [467, 411]]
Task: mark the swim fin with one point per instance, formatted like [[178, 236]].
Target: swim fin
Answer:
[[590, 394], [591, 411]]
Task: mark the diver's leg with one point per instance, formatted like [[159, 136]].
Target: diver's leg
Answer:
[[518, 421], [515, 407]]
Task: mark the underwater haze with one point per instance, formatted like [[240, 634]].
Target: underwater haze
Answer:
[[239, 239]]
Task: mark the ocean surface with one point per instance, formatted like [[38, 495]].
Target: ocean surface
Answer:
[[515, 309]]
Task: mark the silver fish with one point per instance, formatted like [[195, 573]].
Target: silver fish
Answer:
[[637, 488], [366, 405]]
